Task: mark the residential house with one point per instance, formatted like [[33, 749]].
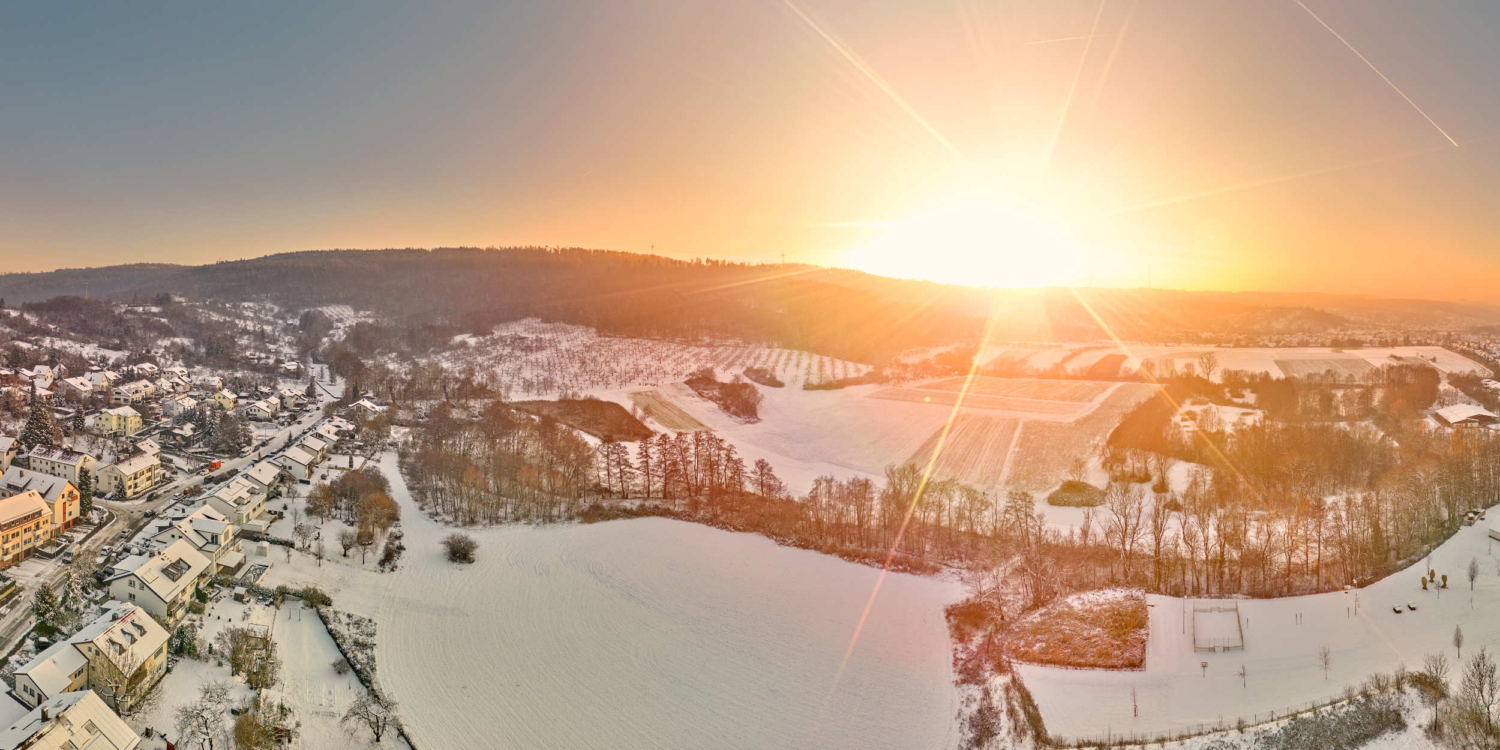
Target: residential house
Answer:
[[130, 477], [209, 382], [290, 398], [210, 532], [76, 388], [162, 583], [224, 399], [119, 656], [328, 433], [133, 392], [121, 420], [176, 371], [8, 451], [316, 446], [61, 462], [25, 524], [265, 475], [60, 495], [263, 410], [79, 720], [102, 380], [298, 462], [146, 370], [182, 436], [365, 409], [177, 405], [243, 502]]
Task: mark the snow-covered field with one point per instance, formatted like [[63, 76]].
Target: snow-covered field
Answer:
[[1075, 356], [1280, 655], [647, 633], [530, 358]]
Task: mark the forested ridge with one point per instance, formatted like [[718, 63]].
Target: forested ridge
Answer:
[[836, 312]]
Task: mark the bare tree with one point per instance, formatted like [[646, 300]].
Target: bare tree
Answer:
[[1458, 640], [347, 540], [304, 533], [1473, 574], [1243, 674], [204, 723], [1325, 659], [374, 713]]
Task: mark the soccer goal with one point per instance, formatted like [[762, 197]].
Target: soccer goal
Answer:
[[1216, 626]]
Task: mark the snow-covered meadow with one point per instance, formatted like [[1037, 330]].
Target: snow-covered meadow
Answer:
[[647, 633], [1175, 693]]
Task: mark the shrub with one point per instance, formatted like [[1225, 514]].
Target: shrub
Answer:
[[763, 376], [1076, 494], [460, 548], [315, 597]]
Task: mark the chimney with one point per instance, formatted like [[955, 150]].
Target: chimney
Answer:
[[45, 713]]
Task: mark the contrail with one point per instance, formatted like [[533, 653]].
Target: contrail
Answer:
[[1068, 102], [1115, 50], [1388, 81], [1064, 39], [874, 77], [1252, 184]]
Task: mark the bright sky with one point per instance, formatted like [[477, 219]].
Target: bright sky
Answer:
[[1233, 145]]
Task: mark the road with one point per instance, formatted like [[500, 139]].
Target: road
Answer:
[[132, 515]]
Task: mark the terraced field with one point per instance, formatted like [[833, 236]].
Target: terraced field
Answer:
[[666, 413], [1038, 407], [1051, 390], [974, 451]]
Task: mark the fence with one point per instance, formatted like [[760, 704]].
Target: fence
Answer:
[[1127, 739]]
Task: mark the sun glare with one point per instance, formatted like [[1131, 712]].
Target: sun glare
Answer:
[[979, 240]]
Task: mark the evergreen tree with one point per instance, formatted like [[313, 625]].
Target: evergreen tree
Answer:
[[46, 610], [78, 420], [85, 494], [39, 428], [312, 390]]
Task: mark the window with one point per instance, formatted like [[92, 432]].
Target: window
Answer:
[[90, 727], [132, 597]]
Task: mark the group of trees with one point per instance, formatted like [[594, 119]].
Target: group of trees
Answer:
[[361, 499], [221, 431], [501, 466]]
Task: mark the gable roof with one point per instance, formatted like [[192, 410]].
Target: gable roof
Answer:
[[52, 670], [123, 411], [137, 462], [263, 473], [127, 625], [17, 480], [299, 455], [171, 570], [58, 455], [68, 714], [20, 505]]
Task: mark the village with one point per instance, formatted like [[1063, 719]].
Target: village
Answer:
[[138, 502]]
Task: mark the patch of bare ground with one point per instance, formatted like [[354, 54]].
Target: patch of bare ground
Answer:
[[1104, 629], [605, 420]]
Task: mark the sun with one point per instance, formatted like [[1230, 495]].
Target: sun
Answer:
[[976, 239]]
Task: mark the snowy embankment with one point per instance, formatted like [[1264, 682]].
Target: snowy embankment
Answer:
[[647, 633], [1175, 693]]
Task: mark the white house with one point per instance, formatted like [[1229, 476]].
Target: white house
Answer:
[[133, 392], [298, 462], [265, 475], [122, 642], [163, 583], [263, 410], [289, 398], [209, 382], [210, 532], [365, 409], [8, 451], [316, 446], [243, 502], [79, 720], [76, 387], [178, 404], [60, 462]]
